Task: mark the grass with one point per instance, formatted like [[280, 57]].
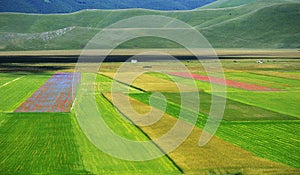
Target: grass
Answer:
[[99, 162], [105, 84], [33, 143], [18, 91], [6, 78], [289, 75], [147, 83], [252, 128], [217, 157], [234, 111], [39, 143], [276, 101], [274, 140], [281, 102], [259, 128], [260, 122], [239, 27], [264, 80], [225, 3]]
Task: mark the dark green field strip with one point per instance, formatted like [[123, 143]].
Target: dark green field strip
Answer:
[[277, 141], [281, 102], [234, 111], [39, 143], [264, 80], [13, 94]]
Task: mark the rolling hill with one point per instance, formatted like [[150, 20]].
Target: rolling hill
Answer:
[[67, 6], [258, 24]]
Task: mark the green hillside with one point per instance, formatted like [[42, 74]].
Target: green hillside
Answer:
[[227, 3], [259, 24]]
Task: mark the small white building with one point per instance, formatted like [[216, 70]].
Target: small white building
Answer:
[[134, 61]]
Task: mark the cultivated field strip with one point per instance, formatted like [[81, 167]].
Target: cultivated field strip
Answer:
[[275, 140], [286, 75], [265, 80], [39, 144], [56, 95], [106, 84], [282, 102], [270, 100], [6, 79], [13, 94], [234, 110], [217, 157], [99, 162], [5, 84], [225, 82], [53, 143], [255, 129], [149, 83]]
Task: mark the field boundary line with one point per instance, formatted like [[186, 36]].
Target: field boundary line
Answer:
[[11, 81], [148, 136], [132, 86]]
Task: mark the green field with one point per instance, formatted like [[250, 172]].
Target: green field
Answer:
[[55, 143], [14, 93], [259, 127]]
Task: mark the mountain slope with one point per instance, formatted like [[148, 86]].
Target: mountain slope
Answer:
[[277, 26], [66, 6], [227, 3], [258, 24]]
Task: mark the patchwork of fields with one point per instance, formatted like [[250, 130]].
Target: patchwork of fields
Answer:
[[258, 133]]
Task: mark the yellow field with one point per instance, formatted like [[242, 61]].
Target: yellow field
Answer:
[[149, 83]]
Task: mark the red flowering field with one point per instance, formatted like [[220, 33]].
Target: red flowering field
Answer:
[[231, 83], [56, 95]]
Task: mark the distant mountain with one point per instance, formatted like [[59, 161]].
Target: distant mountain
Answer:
[[259, 24], [67, 6]]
